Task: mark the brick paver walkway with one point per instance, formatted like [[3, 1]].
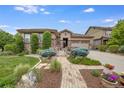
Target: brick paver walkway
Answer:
[[71, 77]]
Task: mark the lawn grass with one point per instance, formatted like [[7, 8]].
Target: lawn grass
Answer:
[[8, 64], [83, 60]]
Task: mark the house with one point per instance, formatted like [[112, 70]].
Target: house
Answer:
[[101, 35], [61, 39]]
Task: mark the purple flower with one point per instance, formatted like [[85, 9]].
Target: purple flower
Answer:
[[112, 78]]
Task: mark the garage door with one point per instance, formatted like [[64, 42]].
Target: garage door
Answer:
[[83, 45]]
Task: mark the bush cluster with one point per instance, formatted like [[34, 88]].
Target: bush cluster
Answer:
[[47, 53], [10, 47], [113, 48], [79, 52]]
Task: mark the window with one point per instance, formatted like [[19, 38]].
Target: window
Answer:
[[27, 38], [40, 37]]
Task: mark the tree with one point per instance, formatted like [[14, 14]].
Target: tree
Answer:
[[19, 43], [117, 34], [34, 43], [5, 38], [46, 40]]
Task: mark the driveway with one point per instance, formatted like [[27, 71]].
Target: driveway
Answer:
[[116, 60]]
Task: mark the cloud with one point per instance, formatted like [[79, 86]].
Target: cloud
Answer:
[[64, 21], [42, 9], [89, 10], [30, 9], [46, 13], [108, 20], [4, 26]]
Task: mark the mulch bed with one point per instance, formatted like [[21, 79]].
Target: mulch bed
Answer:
[[50, 79], [92, 81]]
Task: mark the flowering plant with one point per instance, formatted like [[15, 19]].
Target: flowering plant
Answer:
[[109, 66], [111, 77]]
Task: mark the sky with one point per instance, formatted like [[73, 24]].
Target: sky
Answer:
[[76, 18]]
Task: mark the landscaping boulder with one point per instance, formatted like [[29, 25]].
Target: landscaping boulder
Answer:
[[28, 80], [79, 52]]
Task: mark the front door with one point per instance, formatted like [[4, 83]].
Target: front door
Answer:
[[65, 42]]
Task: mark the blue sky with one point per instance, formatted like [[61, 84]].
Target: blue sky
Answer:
[[75, 18]]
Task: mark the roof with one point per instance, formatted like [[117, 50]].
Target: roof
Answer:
[[100, 28], [75, 35], [36, 30], [65, 30]]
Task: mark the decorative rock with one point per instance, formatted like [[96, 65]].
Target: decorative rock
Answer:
[[28, 80]]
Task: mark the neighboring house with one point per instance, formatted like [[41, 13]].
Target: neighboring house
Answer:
[[101, 35], [60, 39]]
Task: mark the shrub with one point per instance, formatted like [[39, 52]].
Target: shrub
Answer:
[[38, 74], [55, 66], [95, 73], [102, 48], [19, 43], [21, 70], [113, 48], [79, 52], [10, 47], [34, 43], [121, 49], [6, 53], [47, 53], [83, 60], [47, 39]]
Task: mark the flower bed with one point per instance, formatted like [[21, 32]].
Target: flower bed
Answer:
[[92, 81]]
